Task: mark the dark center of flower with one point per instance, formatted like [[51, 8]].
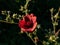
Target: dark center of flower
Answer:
[[28, 25], [27, 19], [28, 22]]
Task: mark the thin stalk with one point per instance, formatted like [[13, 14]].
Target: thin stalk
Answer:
[[8, 22], [53, 21], [31, 38], [25, 6]]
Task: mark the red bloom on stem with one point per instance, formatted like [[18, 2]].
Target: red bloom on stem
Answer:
[[28, 23]]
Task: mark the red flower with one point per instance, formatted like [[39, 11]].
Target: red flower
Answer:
[[28, 23]]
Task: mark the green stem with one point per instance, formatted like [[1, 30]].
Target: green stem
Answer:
[[25, 6], [31, 38], [54, 28], [53, 22], [8, 22]]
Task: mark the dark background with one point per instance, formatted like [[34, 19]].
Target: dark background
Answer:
[[9, 33]]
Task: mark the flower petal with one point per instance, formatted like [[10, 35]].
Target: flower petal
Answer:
[[30, 29], [33, 19], [21, 23]]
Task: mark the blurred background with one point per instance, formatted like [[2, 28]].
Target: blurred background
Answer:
[[9, 33]]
